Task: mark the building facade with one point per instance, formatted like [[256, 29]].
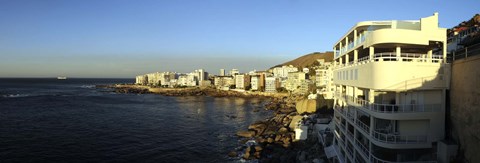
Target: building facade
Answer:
[[390, 80], [283, 71]]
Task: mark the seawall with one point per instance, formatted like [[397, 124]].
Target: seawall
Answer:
[[465, 106]]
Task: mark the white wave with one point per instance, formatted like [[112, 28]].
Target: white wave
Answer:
[[15, 95]]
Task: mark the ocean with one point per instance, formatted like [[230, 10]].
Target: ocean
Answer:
[[50, 120]]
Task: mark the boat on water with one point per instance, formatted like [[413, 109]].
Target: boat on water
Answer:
[[62, 78]]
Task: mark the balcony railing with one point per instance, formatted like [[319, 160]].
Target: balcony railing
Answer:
[[363, 126], [378, 160], [392, 108], [398, 139], [392, 56], [362, 148]]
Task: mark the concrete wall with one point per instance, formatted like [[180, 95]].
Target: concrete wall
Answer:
[[465, 106]]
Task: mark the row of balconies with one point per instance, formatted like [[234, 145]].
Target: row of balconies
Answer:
[[390, 108], [362, 149], [381, 135], [392, 56]]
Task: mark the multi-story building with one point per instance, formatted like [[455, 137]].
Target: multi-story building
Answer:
[[295, 80], [234, 72], [141, 79], [283, 71], [391, 79], [240, 81], [271, 84], [324, 79], [255, 82], [222, 72], [223, 81]]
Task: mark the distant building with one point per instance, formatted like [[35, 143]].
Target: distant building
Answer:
[[271, 84], [283, 71], [223, 81], [306, 70], [222, 72], [255, 82], [240, 81], [296, 80], [234, 72], [141, 79], [324, 79]]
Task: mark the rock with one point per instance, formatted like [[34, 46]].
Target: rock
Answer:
[[278, 137], [246, 156], [259, 128], [294, 121], [232, 154], [283, 130], [270, 140], [257, 155], [258, 148], [306, 106], [247, 134]]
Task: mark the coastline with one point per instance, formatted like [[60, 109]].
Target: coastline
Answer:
[[189, 91], [269, 140]]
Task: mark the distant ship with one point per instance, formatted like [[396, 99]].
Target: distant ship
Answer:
[[62, 78]]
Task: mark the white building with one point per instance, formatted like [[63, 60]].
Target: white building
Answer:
[[296, 80], [240, 81], [234, 72], [271, 84], [222, 72], [283, 71], [255, 82], [391, 79], [223, 81], [324, 79]]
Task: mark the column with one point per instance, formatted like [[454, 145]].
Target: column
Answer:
[[429, 56], [371, 51], [398, 51], [371, 97], [341, 61], [341, 49], [355, 56], [444, 51], [355, 38], [346, 43], [334, 51], [347, 59], [397, 98]]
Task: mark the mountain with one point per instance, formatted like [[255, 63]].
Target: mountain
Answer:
[[308, 60]]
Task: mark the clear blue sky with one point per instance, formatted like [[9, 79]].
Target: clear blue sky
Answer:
[[122, 38]]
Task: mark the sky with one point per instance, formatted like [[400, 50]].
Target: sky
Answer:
[[125, 38]]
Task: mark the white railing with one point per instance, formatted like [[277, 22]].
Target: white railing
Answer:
[[392, 56], [392, 108], [362, 148], [378, 160], [349, 151], [363, 126], [399, 139]]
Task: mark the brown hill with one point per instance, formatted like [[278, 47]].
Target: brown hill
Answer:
[[308, 60]]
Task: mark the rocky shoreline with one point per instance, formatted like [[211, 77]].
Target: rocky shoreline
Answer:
[[136, 89], [270, 140], [275, 137]]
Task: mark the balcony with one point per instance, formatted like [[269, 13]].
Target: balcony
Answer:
[[363, 150], [364, 127], [392, 56], [391, 108], [395, 138], [374, 159]]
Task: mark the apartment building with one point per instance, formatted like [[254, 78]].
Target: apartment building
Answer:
[[271, 84], [283, 71], [390, 81]]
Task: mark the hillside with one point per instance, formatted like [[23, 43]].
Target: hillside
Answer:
[[308, 59]]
